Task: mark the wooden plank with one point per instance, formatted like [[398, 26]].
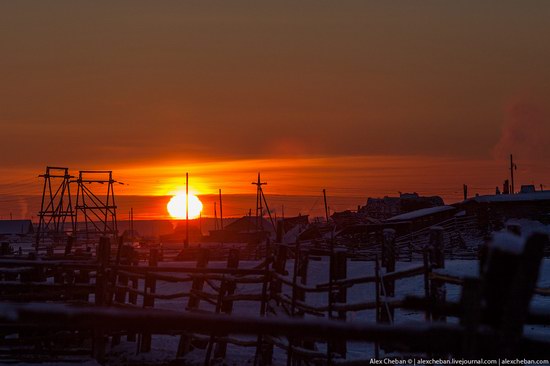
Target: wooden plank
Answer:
[[406, 273]]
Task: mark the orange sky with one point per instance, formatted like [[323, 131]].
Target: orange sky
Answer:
[[362, 98], [348, 181], [341, 176]]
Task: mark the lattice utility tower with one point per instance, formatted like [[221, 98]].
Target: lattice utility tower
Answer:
[[260, 200], [56, 215], [95, 207]]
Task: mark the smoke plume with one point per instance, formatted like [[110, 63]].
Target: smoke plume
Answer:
[[525, 133]]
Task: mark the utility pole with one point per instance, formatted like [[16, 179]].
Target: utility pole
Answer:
[[221, 210], [186, 244], [326, 207], [215, 217]]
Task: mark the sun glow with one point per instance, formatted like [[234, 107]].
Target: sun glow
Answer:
[[176, 206]]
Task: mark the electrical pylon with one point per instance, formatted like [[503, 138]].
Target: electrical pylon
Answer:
[[95, 207], [56, 215]]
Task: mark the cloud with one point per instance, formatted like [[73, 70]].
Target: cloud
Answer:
[[524, 133]]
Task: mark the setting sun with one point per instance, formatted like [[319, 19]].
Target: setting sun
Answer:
[[176, 206]]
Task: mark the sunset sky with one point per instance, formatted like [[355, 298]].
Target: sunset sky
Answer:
[[362, 98]]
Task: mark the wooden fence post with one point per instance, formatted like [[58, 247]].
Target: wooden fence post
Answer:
[[437, 261], [427, 272], [227, 305], [386, 316], [122, 281], [264, 304], [303, 265], [508, 281], [148, 299], [132, 299], [296, 292], [470, 303], [82, 277], [279, 267], [103, 254], [69, 245], [377, 298], [197, 285], [340, 296]]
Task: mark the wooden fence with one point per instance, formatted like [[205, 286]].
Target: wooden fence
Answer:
[[280, 293]]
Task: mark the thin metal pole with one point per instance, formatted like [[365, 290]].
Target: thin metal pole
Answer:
[[258, 199], [512, 167]]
